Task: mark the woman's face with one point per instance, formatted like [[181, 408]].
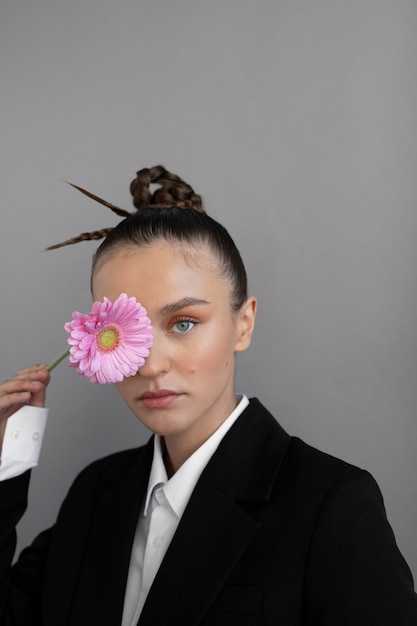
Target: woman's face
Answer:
[[185, 390]]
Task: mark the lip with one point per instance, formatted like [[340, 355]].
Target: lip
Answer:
[[159, 399]]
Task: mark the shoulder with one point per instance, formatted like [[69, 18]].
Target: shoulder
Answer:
[[316, 466], [331, 482], [115, 468], [299, 455], [332, 487], [120, 459], [306, 472]]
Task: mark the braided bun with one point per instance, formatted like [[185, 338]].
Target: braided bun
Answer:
[[160, 198], [173, 193]]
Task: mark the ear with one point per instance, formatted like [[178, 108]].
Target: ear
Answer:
[[245, 323]]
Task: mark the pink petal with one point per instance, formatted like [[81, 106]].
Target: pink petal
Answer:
[[129, 318]]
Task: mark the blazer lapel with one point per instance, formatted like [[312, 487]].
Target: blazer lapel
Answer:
[[100, 590], [215, 529]]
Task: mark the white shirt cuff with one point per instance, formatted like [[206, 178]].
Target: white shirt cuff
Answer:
[[22, 441]]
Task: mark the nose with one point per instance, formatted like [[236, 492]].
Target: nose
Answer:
[[157, 362]]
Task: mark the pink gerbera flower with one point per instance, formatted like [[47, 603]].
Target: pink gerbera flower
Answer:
[[112, 341]]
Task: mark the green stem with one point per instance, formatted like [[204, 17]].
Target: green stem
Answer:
[[58, 359]]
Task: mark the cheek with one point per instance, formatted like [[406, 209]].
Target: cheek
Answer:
[[214, 354], [121, 389], [127, 386]]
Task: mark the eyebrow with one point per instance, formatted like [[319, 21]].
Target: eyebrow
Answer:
[[181, 304]]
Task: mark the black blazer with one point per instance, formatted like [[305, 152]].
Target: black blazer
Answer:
[[275, 532]]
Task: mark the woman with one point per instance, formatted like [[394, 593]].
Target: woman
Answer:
[[222, 518]]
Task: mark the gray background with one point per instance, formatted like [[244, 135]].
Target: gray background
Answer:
[[296, 120]]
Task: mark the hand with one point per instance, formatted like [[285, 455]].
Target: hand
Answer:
[[28, 386]]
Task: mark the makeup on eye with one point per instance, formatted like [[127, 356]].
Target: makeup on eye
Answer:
[[182, 316], [184, 325]]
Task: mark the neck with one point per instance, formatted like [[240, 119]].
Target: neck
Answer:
[[178, 448], [170, 470], [174, 456]]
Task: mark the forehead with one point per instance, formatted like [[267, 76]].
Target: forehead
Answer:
[[159, 273]]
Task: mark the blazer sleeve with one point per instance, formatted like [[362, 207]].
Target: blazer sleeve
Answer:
[[20, 585], [356, 575]]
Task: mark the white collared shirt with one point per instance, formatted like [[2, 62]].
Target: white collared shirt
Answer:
[[164, 505]]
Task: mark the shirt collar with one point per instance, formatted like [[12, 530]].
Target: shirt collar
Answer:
[[180, 486]]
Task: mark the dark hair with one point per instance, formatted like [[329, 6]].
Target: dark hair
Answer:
[[174, 213]]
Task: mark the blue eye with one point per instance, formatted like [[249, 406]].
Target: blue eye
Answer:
[[183, 326]]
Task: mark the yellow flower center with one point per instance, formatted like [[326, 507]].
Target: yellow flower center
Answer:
[[108, 339]]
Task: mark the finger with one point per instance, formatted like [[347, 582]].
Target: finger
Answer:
[[37, 397], [12, 402], [23, 382], [16, 392], [12, 398], [15, 385], [34, 371]]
